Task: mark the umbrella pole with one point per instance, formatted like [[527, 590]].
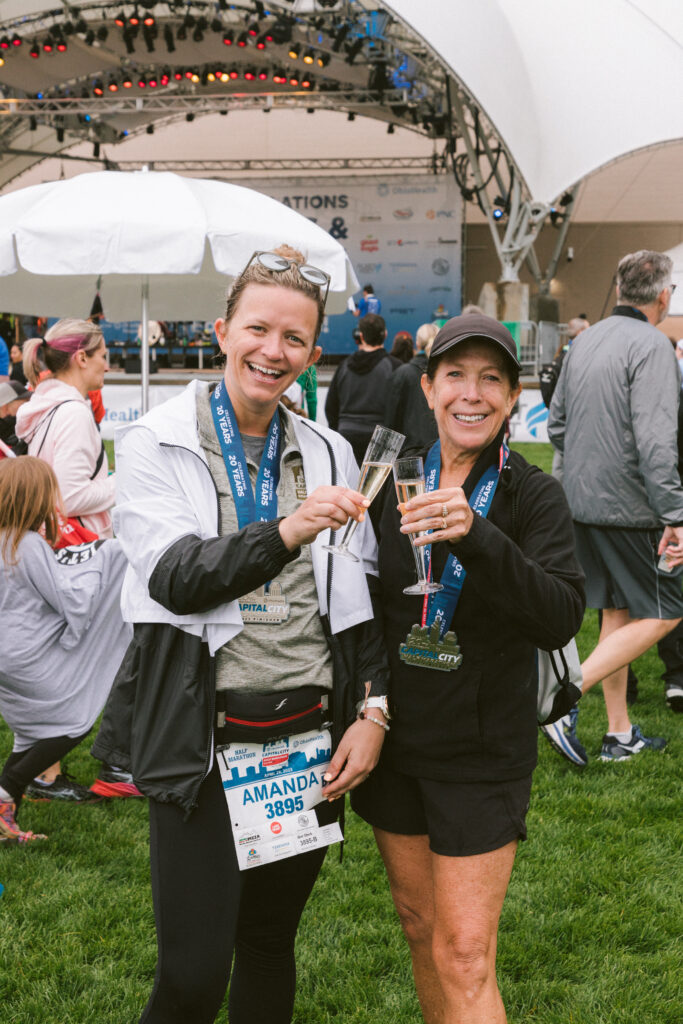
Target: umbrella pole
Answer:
[[144, 354]]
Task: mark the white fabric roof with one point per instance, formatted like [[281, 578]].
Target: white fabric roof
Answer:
[[570, 84]]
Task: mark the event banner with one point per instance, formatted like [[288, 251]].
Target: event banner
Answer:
[[403, 235]]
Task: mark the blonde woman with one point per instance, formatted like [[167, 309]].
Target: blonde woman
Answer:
[[63, 636], [58, 423]]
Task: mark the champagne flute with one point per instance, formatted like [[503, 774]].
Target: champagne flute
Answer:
[[379, 456], [409, 477]]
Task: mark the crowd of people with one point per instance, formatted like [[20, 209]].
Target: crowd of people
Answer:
[[193, 600]]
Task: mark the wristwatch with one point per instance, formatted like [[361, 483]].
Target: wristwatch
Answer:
[[381, 703]]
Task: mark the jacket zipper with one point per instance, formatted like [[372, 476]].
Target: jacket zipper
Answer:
[[212, 674]]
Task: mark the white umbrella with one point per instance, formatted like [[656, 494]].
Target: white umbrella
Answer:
[[159, 246]]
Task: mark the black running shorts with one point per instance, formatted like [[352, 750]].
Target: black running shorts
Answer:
[[461, 818], [621, 572]]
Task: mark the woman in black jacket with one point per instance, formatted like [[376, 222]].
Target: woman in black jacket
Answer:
[[449, 797]]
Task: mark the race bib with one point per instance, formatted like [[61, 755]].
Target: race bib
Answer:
[[271, 789]]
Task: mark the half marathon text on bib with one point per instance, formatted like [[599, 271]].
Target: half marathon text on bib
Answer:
[[271, 790]]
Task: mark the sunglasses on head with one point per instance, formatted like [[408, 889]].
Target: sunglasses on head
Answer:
[[277, 264]]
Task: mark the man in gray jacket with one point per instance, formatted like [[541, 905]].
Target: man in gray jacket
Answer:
[[614, 416]]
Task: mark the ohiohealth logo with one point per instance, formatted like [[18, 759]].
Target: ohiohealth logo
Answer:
[[534, 417]]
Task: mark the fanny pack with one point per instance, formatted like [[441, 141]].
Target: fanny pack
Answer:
[[257, 717]]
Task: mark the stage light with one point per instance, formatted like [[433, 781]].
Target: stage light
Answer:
[[120, 20], [34, 52], [168, 38], [323, 59], [216, 25], [96, 150], [134, 19], [390, 129], [293, 80], [5, 43], [81, 26], [194, 77], [566, 199], [68, 28], [113, 85], [210, 76], [89, 37], [178, 75], [60, 134], [280, 77], [227, 38], [2, 61], [149, 20], [97, 87], [350, 116], [250, 74], [16, 40], [128, 40], [242, 40], [307, 81], [150, 129], [253, 29], [32, 124], [261, 41], [294, 51], [148, 34], [225, 77], [497, 214], [102, 33], [263, 75], [181, 33], [165, 76], [142, 82], [127, 82], [153, 82], [234, 74], [189, 117], [501, 206], [198, 34], [308, 57], [48, 44]]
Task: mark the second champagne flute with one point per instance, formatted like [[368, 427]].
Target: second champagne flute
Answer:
[[379, 456], [409, 477]]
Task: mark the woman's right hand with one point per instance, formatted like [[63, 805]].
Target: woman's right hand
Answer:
[[327, 508]]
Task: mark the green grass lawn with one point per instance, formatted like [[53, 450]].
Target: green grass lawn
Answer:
[[589, 933]]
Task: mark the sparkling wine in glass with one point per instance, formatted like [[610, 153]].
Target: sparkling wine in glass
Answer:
[[409, 477], [379, 457]]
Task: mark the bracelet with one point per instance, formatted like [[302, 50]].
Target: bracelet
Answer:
[[364, 717]]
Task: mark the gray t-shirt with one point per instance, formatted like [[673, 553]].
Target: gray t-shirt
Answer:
[[270, 656]]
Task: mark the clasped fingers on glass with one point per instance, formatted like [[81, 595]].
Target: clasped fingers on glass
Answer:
[[409, 478]]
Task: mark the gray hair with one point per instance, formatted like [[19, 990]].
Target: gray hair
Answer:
[[642, 275], [425, 336]]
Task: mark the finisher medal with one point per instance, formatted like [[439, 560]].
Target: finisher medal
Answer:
[[433, 645], [267, 604]]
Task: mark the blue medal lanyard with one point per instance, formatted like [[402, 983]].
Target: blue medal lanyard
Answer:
[[250, 509], [441, 606]]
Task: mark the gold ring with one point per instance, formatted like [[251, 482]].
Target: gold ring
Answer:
[[444, 511]]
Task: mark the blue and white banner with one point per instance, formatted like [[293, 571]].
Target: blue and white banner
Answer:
[[404, 237]]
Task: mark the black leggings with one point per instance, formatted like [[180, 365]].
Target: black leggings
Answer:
[[206, 909], [20, 769]]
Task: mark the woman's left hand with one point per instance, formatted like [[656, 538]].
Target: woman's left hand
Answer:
[[445, 512], [355, 757]]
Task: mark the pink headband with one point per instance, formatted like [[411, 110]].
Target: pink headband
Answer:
[[72, 343]]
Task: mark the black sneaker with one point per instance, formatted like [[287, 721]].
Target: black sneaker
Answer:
[[63, 788], [674, 696], [616, 750]]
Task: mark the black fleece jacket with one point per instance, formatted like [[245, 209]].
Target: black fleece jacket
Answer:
[[479, 722]]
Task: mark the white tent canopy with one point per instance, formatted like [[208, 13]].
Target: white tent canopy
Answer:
[[570, 85]]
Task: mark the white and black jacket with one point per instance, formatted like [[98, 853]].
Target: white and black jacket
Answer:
[[182, 588]]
